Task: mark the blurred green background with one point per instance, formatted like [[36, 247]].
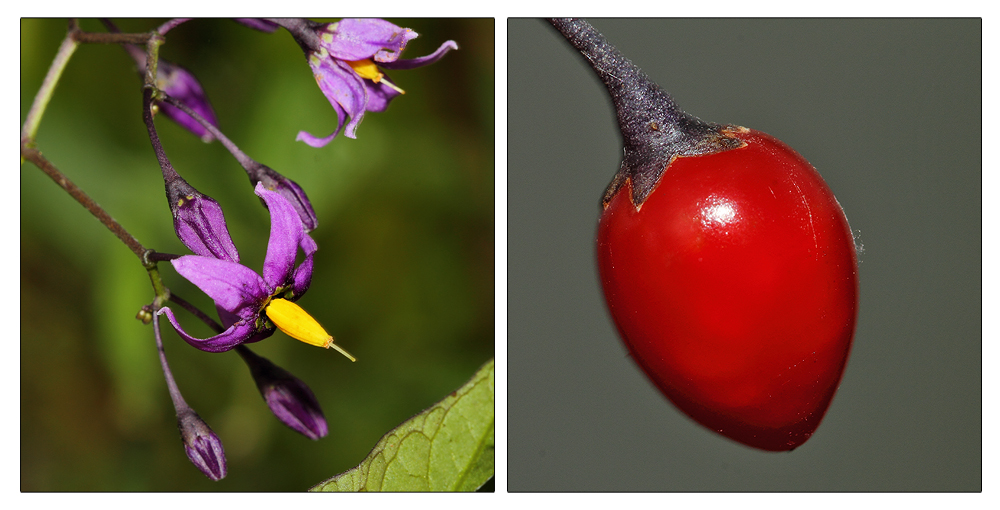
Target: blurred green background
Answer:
[[404, 278]]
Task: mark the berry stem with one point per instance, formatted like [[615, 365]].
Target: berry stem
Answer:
[[654, 130]]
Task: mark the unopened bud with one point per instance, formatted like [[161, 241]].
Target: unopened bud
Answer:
[[202, 446], [199, 221], [180, 84], [287, 396]]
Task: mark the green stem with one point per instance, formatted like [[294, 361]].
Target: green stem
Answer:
[[44, 94], [152, 59], [161, 291]]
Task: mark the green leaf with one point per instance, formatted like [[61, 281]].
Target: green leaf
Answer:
[[448, 447]]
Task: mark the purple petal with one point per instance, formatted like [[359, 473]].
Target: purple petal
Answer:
[[234, 287], [345, 90], [315, 141], [303, 273], [379, 95], [358, 39], [235, 335], [286, 235], [422, 61], [274, 181], [229, 319]]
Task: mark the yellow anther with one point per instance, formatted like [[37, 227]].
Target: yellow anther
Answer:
[[291, 319], [369, 71], [366, 69]]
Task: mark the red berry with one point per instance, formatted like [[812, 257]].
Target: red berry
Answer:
[[727, 264], [734, 286]]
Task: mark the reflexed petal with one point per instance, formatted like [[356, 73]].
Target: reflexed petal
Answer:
[[356, 39], [235, 335], [286, 235], [422, 61], [303, 273], [234, 287], [315, 141]]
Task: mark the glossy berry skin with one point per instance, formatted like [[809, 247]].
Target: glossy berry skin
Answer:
[[734, 286]]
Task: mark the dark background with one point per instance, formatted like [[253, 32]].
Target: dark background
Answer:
[[889, 112], [403, 277]]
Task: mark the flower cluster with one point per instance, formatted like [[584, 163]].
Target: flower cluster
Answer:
[[348, 59]]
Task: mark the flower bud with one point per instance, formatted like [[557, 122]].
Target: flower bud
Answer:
[[202, 446], [288, 397], [199, 221], [179, 83]]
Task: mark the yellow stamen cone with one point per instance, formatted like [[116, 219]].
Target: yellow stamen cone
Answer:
[[292, 320], [369, 71]]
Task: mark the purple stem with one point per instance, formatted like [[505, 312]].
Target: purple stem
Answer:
[[170, 25], [226, 142], [175, 392]]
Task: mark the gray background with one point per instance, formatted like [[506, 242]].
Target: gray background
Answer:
[[889, 111]]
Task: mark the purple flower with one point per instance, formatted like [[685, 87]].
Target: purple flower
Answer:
[[289, 398], [347, 59], [252, 305]]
